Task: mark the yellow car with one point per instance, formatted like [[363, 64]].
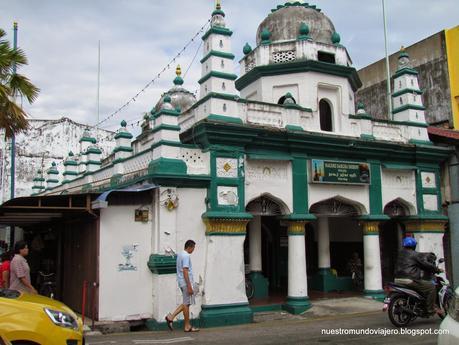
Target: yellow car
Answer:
[[38, 320]]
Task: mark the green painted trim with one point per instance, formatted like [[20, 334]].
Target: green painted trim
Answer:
[[270, 156], [399, 166], [93, 163], [119, 160], [266, 308], [225, 96], [38, 179], [227, 215], [367, 137], [70, 173], [162, 264], [300, 66], [408, 106], [360, 117], [226, 233], [70, 163], [217, 54], [433, 191], [165, 128], [167, 166], [324, 280], [38, 187], [404, 71], [52, 172], [295, 4], [300, 186], [378, 295], [420, 142], [375, 192], [294, 128], [406, 90], [88, 139], [166, 143], [123, 149], [225, 315], [431, 216], [51, 180], [218, 31], [216, 74], [124, 135], [93, 150], [223, 118], [374, 217], [164, 112], [297, 305], [294, 234], [390, 122]]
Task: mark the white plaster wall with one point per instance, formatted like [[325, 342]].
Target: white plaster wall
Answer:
[[214, 63], [357, 193], [118, 229], [428, 242], [269, 177], [213, 43], [399, 184], [406, 81]]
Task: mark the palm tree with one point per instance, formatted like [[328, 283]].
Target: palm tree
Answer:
[[12, 117]]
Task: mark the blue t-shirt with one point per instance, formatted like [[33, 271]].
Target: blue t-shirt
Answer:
[[184, 261]]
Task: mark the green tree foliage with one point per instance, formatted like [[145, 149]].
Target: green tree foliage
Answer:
[[13, 86]]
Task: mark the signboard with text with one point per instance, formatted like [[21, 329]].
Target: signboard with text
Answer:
[[322, 171]]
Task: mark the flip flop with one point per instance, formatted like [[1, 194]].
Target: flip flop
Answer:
[[169, 323], [192, 329]]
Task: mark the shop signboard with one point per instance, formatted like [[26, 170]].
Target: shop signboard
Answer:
[[322, 171]]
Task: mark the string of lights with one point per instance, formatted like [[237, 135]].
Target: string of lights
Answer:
[[152, 81]]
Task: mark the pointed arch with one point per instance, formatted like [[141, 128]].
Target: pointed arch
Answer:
[[326, 115], [338, 206], [267, 204], [399, 207]]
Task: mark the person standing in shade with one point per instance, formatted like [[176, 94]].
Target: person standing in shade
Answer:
[[5, 270], [185, 282], [19, 269]]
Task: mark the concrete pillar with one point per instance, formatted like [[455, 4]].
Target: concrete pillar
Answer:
[[323, 237], [255, 244], [372, 261], [297, 299]]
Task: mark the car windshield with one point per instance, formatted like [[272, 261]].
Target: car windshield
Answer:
[[6, 293]]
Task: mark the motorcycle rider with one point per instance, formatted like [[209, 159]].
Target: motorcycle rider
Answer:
[[409, 272]]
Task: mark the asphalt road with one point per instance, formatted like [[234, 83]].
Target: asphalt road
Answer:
[[370, 329]]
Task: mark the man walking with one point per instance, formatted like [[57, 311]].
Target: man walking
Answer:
[[185, 282]]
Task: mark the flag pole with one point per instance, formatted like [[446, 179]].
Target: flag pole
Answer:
[[389, 96]]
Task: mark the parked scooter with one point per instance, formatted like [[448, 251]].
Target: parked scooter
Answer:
[[404, 304]]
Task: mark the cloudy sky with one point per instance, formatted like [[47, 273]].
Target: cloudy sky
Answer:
[[139, 38]]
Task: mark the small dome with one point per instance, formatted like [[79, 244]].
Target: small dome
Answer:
[[177, 97], [123, 123], [247, 49], [287, 20]]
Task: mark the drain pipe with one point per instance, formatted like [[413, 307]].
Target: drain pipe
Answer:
[[453, 214]]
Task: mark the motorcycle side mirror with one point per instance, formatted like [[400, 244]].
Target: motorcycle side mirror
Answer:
[[440, 261]]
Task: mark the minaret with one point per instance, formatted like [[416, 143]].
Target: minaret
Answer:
[[406, 97], [71, 168], [52, 177], [217, 63]]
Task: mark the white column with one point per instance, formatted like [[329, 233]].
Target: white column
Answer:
[[255, 244], [323, 237], [297, 278], [372, 258]]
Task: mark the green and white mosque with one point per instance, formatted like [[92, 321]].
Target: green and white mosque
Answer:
[[277, 172]]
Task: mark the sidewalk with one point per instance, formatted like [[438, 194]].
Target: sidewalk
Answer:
[[321, 308]]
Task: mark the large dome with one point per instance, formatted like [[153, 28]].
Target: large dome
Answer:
[[284, 23]]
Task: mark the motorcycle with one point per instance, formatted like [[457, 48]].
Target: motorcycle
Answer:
[[404, 304]]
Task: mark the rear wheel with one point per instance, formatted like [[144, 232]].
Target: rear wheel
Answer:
[[397, 311]]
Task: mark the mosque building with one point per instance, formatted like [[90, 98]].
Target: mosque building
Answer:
[[278, 174]]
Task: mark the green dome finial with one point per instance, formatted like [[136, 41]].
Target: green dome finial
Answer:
[[53, 164], [71, 154], [123, 123], [218, 9], [247, 49], [360, 106], [335, 38], [146, 116], [178, 79], [167, 99], [403, 53], [304, 29], [265, 36]]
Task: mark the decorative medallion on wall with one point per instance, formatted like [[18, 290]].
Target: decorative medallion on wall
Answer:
[[227, 167], [169, 199], [227, 196], [128, 252], [428, 180]]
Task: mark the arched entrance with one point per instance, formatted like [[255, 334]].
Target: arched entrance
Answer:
[[390, 238], [266, 247], [337, 237]]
